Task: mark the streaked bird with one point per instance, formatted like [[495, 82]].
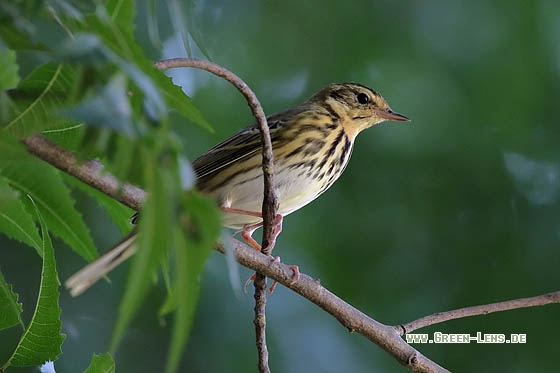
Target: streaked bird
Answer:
[[312, 144]]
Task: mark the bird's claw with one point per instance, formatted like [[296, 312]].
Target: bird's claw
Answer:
[[276, 259]]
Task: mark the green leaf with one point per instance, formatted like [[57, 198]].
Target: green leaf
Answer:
[[119, 154], [85, 47], [10, 308], [17, 40], [42, 340], [43, 183], [155, 230], [38, 95], [119, 213], [177, 100], [101, 363], [11, 149], [9, 77], [122, 13], [69, 137], [152, 24], [145, 83], [125, 161], [179, 26], [15, 221], [193, 241], [186, 27], [108, 108], [117, 36]]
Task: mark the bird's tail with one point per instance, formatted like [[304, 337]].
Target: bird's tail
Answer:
[[90, 274]]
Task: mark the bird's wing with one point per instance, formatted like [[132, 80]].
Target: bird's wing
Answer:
[[242, 145]]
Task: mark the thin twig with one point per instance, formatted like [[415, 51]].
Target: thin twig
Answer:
[[270, 200], [484, 309]]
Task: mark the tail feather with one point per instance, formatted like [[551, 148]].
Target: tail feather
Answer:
[[90, 274]]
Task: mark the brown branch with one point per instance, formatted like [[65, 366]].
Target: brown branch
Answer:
[[354, 320], [270, 195], [436, 318], [90, 172]]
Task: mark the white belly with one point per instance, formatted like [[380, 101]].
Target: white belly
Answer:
[[295, 189]]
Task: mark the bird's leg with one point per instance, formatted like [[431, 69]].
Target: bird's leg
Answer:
[[247, 234], [248, 230]]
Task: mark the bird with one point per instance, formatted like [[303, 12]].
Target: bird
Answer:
[[312, 144]]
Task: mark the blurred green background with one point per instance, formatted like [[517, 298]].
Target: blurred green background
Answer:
[[460, 207]]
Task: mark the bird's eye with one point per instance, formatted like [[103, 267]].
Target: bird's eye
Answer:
[[362, 98]]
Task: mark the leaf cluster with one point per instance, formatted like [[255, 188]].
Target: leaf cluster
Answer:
[[75, 74]]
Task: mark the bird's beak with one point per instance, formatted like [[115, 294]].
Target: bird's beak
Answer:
[[391, 115]]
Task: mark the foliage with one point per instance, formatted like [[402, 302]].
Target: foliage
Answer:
[[101, 363], [92, 89], [41, 340]]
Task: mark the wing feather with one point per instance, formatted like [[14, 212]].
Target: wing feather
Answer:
[[243, 145]]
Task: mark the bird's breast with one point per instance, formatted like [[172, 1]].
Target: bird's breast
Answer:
[[297, 185]]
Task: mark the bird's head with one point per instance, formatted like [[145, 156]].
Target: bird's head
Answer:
[[357, 106]]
